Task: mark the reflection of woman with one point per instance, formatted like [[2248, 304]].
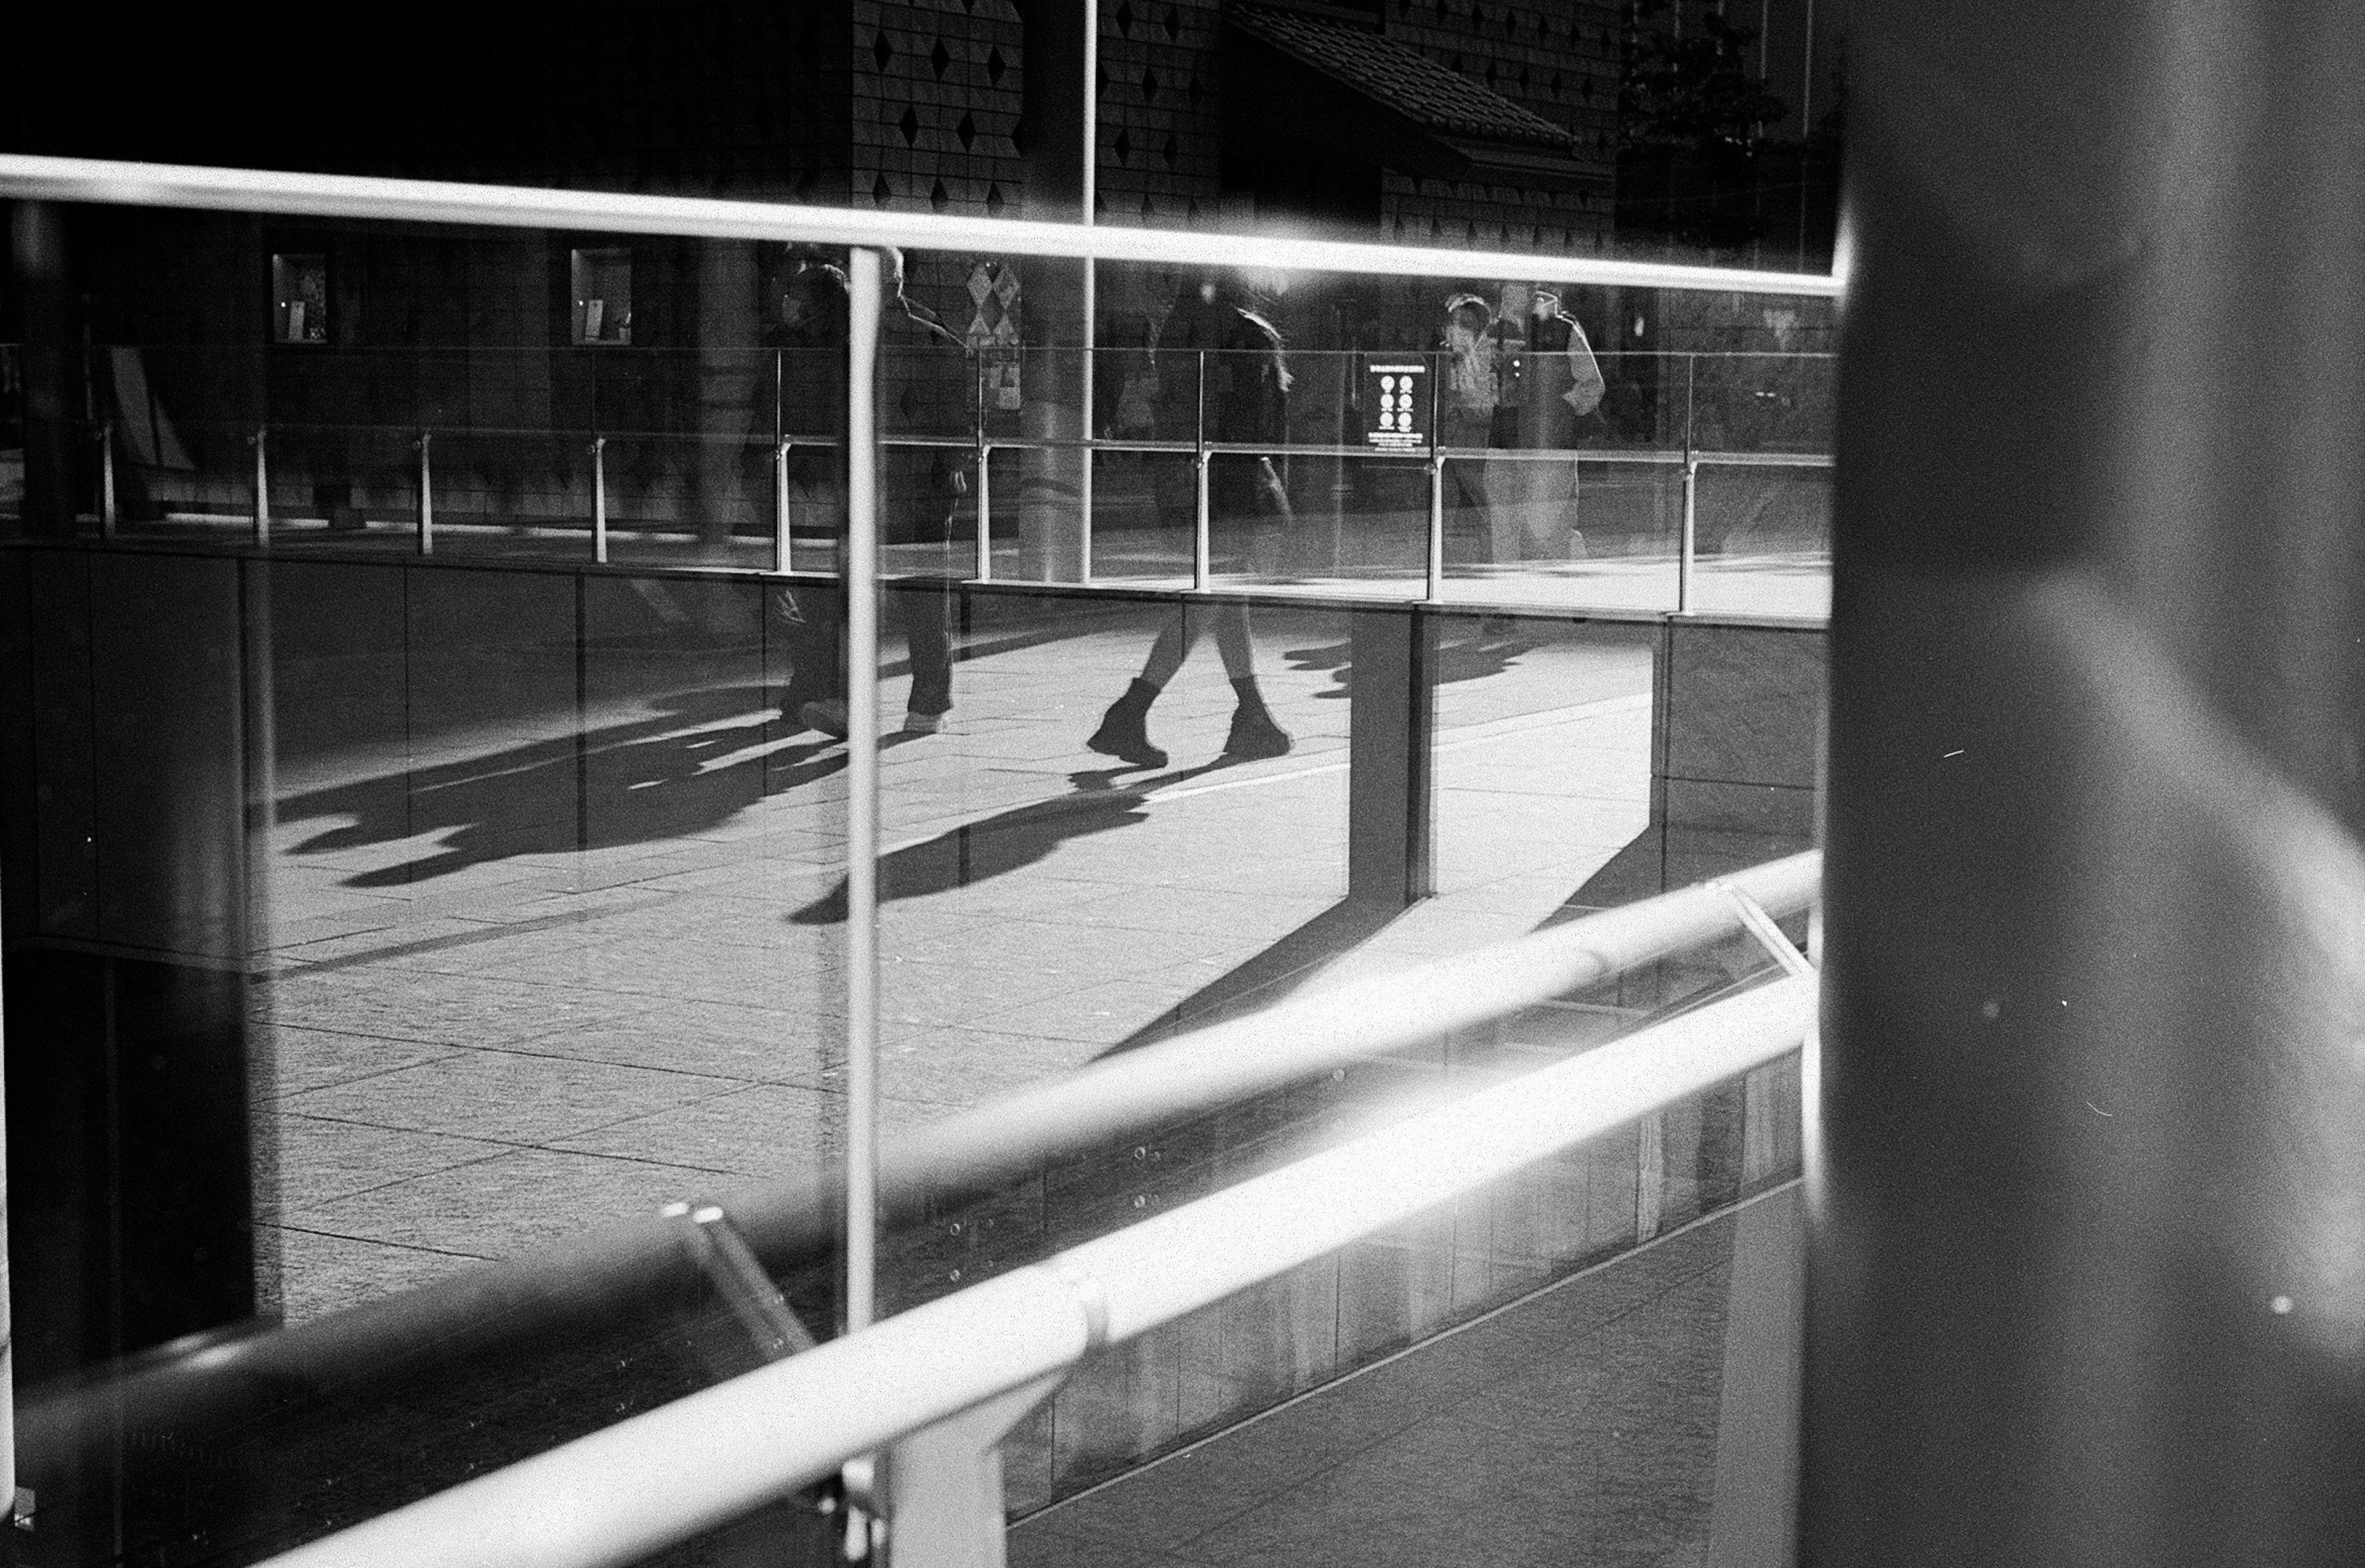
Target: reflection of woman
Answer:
[[1247, 383], [1560, 382]]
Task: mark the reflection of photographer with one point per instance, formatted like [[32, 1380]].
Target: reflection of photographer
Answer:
[[1560, 387]]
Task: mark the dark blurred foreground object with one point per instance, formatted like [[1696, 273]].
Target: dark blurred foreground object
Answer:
[[2087, 1256]]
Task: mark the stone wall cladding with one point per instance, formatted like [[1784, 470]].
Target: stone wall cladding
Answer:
[[1161, 121], [935, 106]]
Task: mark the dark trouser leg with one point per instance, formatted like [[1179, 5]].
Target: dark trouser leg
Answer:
[[926, 611]]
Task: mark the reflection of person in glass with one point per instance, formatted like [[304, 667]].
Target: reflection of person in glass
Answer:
[[919, 489], [1476, 365], [1248, 383], [1559, 382]]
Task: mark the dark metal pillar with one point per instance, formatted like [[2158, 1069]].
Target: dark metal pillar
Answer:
[[2087, 1243]]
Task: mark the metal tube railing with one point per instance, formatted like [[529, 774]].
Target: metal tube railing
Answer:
[[509, 207], [657, 1479], [587, 1284], [860, 570]]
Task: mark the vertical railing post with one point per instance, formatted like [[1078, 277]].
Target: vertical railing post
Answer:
[[1433, 558], [783, 552], [426, 493], [107, 479], [984, 475], [1084, 454], [261, 442], [985, 511], [1201, 523], [600, 498], [861, 570], [1684, 546]]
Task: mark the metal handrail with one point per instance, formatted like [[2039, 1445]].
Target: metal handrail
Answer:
[[32, 178], [588, 1282], [663, 1477]]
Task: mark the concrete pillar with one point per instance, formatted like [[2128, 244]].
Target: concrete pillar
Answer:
[[2087, 1229], [1391, 785]]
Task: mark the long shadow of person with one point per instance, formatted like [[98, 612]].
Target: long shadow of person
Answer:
[[642, 781], [1012, 840], [1473, 658]]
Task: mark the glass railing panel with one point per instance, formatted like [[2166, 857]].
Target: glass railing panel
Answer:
[[1393, 1291], [1761, 402], [1542, 767], [541, 862], [1572, 530], [1144, 516], [1762, 539], [1149, 393], [1644, 1409]]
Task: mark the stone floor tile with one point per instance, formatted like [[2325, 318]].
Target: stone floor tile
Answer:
[[301, 1059], [321, 1273], [317, 1161], [500, 1207], [504, 1095], [963, 1066], [767, 1132], [472, 1011]]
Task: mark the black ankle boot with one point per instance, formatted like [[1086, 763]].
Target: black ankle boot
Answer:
[[1254, 734], [1125, 728]]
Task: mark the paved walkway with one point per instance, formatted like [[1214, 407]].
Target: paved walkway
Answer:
[[486, 1037]]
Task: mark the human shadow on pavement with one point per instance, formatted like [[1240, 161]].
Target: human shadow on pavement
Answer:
[[1102, 800], [1273, 974], [640, 782], [1474, 658]]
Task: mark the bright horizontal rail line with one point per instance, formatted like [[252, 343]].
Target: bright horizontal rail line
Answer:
[[30, 178], [646, 1483]]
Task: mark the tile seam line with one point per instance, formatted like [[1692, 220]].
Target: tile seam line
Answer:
[[506, 1147], [399, 1245]]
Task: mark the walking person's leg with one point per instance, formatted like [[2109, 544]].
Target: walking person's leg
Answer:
[[1254, 733], [1124, 731], [925, 609]]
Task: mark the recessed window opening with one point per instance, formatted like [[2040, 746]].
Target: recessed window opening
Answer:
[[299, 298], [602, 286]]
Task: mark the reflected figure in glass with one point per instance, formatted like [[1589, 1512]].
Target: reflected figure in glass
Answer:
[[1246, 383], [920, 489]]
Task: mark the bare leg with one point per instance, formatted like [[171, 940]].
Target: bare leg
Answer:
[[1232, 642], [1172, 647]]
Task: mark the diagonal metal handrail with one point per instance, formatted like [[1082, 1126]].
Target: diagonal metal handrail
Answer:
[[31, 178], [657, 1479]]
